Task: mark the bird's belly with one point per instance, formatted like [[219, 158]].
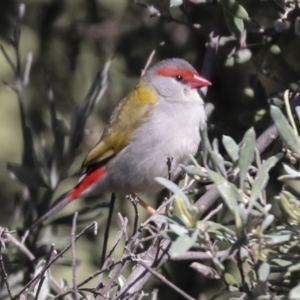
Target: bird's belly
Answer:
[[135, 168]]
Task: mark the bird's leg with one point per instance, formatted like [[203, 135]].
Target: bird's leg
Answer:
[[146, 206]]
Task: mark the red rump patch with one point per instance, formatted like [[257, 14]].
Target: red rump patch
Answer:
[[86, 182], [187, 75]]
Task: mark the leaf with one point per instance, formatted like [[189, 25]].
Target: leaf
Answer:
[[294, 292], [175, 2], [235, 25], [292, 173], [218, 162], [183, 243], [195, 172], [174, 189], [262, 177], [26, 175], [235, 9], [286, 132], [226, 189], [41, 292], [83, 111], [267, 222], [179, 230], [230, 195], [205, 270], [231, 147], [246, 154], [158, 218], [278, 239], [242, 56], [263, 272], [231, 280]]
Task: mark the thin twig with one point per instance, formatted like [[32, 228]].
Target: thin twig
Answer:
[[106, 233], [150, 58], [191, 255], [39, 287], [166, 281], [169, 160], [134, 202], [4, 273], [18, 244], [8, 59], [74, 264], [54, 259], [213, 212], [27, 69]]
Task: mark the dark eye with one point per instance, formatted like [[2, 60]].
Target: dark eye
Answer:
[[179, 78]]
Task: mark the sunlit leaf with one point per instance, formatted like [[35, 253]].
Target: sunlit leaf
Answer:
[[42, 288], [175, 2], [294, 292], [231, 147], [183, 243], [285, 130], [263, 271], [235, 9], [262, 177], [246, 154], [235, 25], [174, 189]]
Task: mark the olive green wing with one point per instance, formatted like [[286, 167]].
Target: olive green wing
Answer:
[[127, 116]]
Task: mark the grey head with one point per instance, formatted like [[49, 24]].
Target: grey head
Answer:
[[175, 79]]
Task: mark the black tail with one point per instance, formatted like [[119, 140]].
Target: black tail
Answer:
[[60, 203]]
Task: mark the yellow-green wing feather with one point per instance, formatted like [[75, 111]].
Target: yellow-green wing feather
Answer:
[[127, 116]]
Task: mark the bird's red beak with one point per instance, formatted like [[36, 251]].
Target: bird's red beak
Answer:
[[198, 82]]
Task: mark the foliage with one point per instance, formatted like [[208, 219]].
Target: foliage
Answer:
[[235, 220]]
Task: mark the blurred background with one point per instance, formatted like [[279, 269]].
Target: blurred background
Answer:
[[72, 39]]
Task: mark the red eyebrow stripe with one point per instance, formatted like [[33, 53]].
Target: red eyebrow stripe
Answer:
[[172, 72]]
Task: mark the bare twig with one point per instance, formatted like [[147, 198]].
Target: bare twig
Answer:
[[134, 201], [166, 281], [169, 160], [213, 212], [39, 288], [18, 244], [54, 259], [106, 234], [155, 256], [191, 255], [27, 69], [150, 58], [4, 273], [74, 264]]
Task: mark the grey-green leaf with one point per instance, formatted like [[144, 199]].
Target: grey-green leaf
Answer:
[[226, 189], [262, 177], [286, 132], [267, 222], [175, 2], [174, 189], [42, 292], [235, 25], [231, 147], [246, 154], [183, 243], [263, 272], [294, 292]]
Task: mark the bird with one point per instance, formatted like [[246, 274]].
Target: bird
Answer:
[[160, 117]]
